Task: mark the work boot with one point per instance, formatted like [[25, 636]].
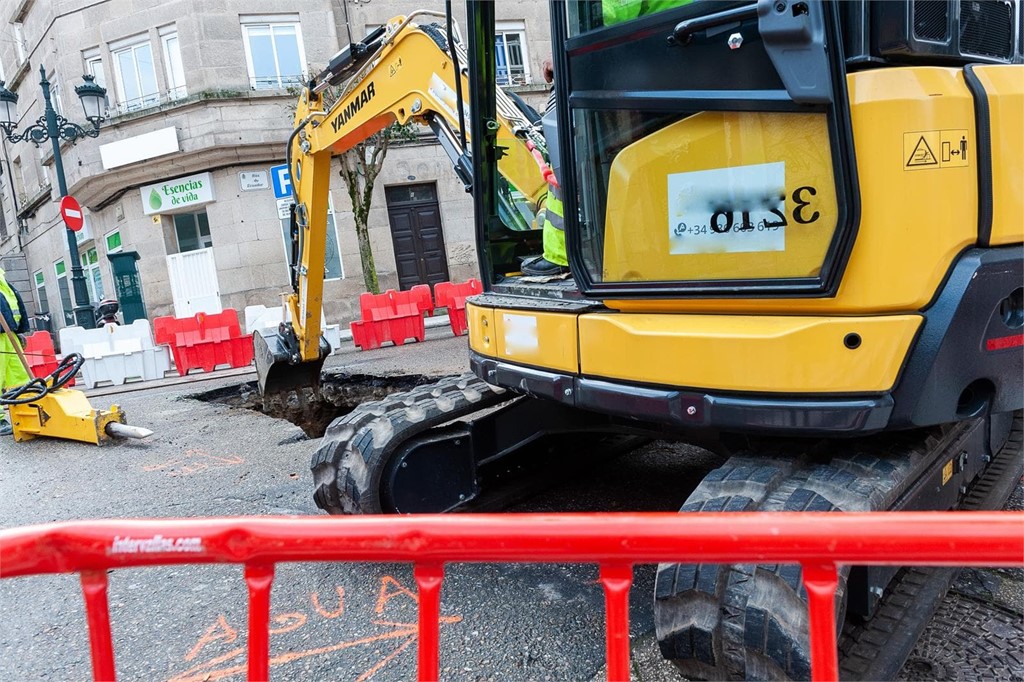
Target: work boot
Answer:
[[5, 428], [538, 266]]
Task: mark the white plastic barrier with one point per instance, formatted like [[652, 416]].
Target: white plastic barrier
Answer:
[[262, 317], [117, 353]]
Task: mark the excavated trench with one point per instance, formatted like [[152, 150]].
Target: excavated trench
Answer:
[[339, 395]]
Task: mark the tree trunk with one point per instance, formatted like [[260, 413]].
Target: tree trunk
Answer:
[[360, 167], [360, 217]]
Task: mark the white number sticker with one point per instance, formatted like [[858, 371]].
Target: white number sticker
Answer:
[[728, 210]]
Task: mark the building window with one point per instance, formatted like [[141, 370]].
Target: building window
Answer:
[[44, 170], [55, 98], [41, 300], [19, 179], [333, 267], [93, 276], [65, 293], [19, 42], [510, 53], [136, 75], [94, 66], [113, 240], [192, 231], [172, 63], [273, 52]]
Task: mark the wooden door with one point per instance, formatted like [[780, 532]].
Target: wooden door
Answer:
[[417, 235]]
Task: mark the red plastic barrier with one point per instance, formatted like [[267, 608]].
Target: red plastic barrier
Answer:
[[453, 297], [423, 298], [394, 316], [42, 359], [817, 541], [205, 341]]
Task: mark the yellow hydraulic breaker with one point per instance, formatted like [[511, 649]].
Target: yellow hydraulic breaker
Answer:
[[66, 414], [43, 407]]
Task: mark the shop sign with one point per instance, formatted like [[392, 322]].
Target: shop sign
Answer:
[[175, 195]]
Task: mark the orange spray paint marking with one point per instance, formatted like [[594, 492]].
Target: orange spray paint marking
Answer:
[[233, 662], [193, 462], [287, 622], [315, 598], [389, 589], [219, 631]]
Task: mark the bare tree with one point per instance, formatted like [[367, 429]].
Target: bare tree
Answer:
[[360, 167]]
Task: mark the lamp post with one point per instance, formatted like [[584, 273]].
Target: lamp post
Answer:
[[56, 128]]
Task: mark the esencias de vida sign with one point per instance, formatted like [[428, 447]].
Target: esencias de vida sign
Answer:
[[173, 195]]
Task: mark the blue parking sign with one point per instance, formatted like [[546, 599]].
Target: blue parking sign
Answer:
[[282, 181]]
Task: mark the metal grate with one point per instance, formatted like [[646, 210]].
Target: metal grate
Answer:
[[986, 28], [931, 20]]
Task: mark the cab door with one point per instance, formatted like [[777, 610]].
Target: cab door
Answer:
[[706, 147]]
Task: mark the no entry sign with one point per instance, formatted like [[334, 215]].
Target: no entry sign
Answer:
[[71, 211]]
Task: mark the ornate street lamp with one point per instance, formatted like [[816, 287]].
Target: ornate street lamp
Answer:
[[56, 128]]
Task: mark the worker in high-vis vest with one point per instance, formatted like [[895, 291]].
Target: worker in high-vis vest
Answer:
[[12, 372], [618, 11], [554, 262]]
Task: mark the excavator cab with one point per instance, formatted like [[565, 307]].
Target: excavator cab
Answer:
[[704, 148]]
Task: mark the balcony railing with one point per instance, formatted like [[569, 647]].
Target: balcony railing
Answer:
[[115, 109], [276, 82]]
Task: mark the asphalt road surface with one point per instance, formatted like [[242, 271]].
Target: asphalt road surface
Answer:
[[345, 621]]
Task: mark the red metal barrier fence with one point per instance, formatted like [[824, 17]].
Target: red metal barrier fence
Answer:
[[818, 541]]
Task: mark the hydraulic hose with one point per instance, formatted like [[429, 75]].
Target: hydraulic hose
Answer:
[[38, 388]]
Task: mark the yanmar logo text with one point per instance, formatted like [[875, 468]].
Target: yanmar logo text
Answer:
[[355, 105]]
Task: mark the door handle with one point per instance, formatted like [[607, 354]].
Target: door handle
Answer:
[[685, 30]]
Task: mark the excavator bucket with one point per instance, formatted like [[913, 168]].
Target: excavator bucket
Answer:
[[279, 367]]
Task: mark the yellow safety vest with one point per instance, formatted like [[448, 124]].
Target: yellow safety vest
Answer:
[[618, 11]]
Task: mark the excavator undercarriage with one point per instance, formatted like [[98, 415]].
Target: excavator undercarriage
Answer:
[[416, 452], [795, 240]]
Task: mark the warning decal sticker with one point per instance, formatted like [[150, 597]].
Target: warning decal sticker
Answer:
[[922, 155], [936, 149]]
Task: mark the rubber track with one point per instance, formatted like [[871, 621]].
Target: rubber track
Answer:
[[897, 624], [750, 621], [348, 465]]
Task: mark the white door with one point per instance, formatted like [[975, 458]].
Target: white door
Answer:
[[194, 285]]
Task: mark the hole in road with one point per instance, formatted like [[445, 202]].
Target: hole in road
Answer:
[[339, 395]]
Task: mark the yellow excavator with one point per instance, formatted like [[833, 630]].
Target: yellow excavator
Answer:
[[795, 233]]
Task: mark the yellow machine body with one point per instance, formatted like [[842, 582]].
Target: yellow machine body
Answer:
[[914, 223], [66, 414], [795, 145], [1004, 90], [794, 354]]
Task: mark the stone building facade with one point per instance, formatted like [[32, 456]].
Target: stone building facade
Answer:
[[199, 111]]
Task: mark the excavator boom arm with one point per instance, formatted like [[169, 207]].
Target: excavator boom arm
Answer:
[[405, 74]]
